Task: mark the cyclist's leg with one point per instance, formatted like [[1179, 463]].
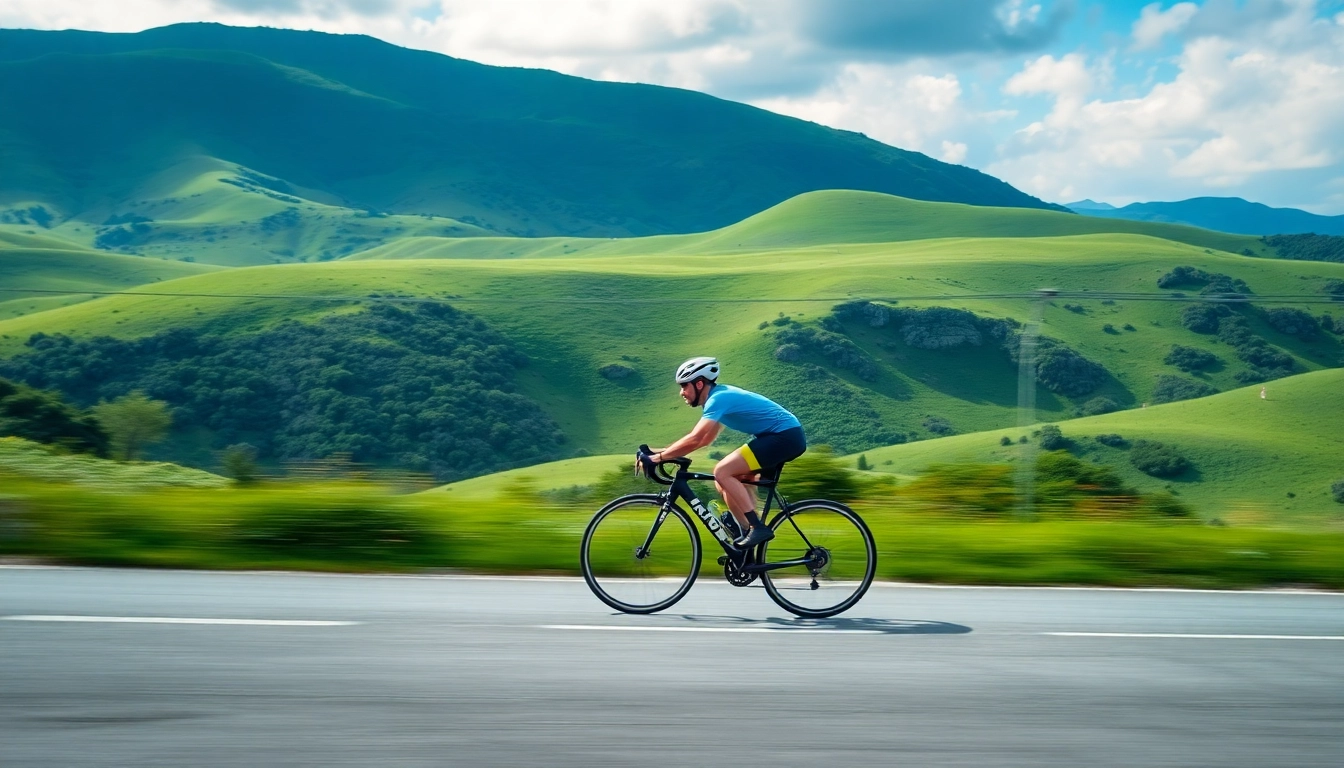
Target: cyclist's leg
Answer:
[[728, 476]]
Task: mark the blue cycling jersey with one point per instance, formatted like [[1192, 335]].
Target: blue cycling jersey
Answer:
[[747, 411]]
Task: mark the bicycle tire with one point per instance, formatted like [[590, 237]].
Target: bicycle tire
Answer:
[[847, 579], [607, 555]]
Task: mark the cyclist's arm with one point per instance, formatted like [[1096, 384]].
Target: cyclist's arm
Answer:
[[704, 433]]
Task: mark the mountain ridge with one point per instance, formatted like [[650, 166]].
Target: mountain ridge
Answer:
[[1234, 215], [395, 130]]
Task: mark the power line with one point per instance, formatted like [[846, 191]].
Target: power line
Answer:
[[1225, 298]]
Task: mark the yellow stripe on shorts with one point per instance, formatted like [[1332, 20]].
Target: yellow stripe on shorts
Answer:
[[752, 463]]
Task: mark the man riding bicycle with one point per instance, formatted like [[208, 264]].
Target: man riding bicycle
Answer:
[[777, 437]]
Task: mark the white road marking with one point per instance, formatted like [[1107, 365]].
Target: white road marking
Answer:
[[1183, 636], [180, 620], [777, 631]]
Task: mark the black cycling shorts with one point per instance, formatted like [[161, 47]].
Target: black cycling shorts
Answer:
[[774, 448]]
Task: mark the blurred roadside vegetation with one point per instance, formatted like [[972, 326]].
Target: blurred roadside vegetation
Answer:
[[953, 524]]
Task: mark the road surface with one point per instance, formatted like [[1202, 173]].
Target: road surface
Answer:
[[169, 668]]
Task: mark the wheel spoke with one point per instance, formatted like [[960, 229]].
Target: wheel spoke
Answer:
[[842, 559], [636, 581]]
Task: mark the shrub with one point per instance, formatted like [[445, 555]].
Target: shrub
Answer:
[[1190, 359], [1157, 459], [788, 353], [1333, 287], [329, 527], [837, 349], [616, 372], [1328, 323], [1076, 308], [1129, 327], [1052, 439], [862, 463], [818, 474], [1337, 490], [939, 425], [44, 418], [1203, 318], [1098, 405], [1169, 389], [1293, 322], [1063, 371], [1212, 282], [240, 462], [1005, 440], [1112, 440], [1108, 328]]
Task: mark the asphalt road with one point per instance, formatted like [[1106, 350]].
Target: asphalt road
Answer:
[[99, 668]]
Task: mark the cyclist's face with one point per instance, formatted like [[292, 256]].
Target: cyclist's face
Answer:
[[689, 392]]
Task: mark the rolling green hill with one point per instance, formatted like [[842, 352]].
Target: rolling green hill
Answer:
[[1248, 454], [354, 122], [821, 220], [45, 263], [1255, 460], [643, 305]]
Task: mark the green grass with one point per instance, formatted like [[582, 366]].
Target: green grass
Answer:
[[355, 527], [48, 264], [527, 300], [1248, 454], [820, 221], [25, 461]]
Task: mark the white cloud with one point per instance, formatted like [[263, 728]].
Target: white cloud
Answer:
[[895, 104], [1155, 23], [1242, 116]]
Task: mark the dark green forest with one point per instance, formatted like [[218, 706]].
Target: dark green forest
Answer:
[[429, 388]]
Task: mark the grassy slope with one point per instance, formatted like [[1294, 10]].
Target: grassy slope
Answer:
[[25, 460], [197, 211], [821, 220], [43, 262], [1248, 453], [528, 151], [528, 300]]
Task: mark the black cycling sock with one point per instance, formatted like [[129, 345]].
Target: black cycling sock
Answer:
[[753, 520]]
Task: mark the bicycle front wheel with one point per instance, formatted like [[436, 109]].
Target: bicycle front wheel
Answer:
[[639, 555], [836, 554]]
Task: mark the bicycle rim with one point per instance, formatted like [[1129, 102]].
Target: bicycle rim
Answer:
[[632, 581], [843, 559]]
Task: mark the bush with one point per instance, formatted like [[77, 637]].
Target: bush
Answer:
[[1328, 324], [1190, 359], [1112, 440], [1337, 490], [939, 425], [818, 474], [1052, 439], [1098, 405], [429, 388], [788, 353], [1005, 440], [240, 462], [1063, 371], [1203, 318], [1157, 459], [1169, 389], [1108, 328], [44, 418], [1293, 322], [862, 463], [615, 372], [837, 349], [1212, 282]]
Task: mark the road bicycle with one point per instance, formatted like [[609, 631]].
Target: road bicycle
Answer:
[[641, 553]]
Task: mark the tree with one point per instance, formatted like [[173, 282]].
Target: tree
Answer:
[[863, 462], [43, 417], [1052, 439], [240, 462], [133, 421], [1157, 459]]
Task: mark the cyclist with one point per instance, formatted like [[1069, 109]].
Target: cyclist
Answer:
[[777, 437]]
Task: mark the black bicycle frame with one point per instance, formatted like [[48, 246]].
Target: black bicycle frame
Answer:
[[680, 488]]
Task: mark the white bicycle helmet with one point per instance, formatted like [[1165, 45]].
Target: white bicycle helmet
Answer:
[[698, 368]]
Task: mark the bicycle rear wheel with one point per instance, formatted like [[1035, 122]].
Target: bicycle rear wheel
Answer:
[[639, 557], [841, 559]]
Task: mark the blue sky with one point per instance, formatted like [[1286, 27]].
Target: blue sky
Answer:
[[1066, 99]]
